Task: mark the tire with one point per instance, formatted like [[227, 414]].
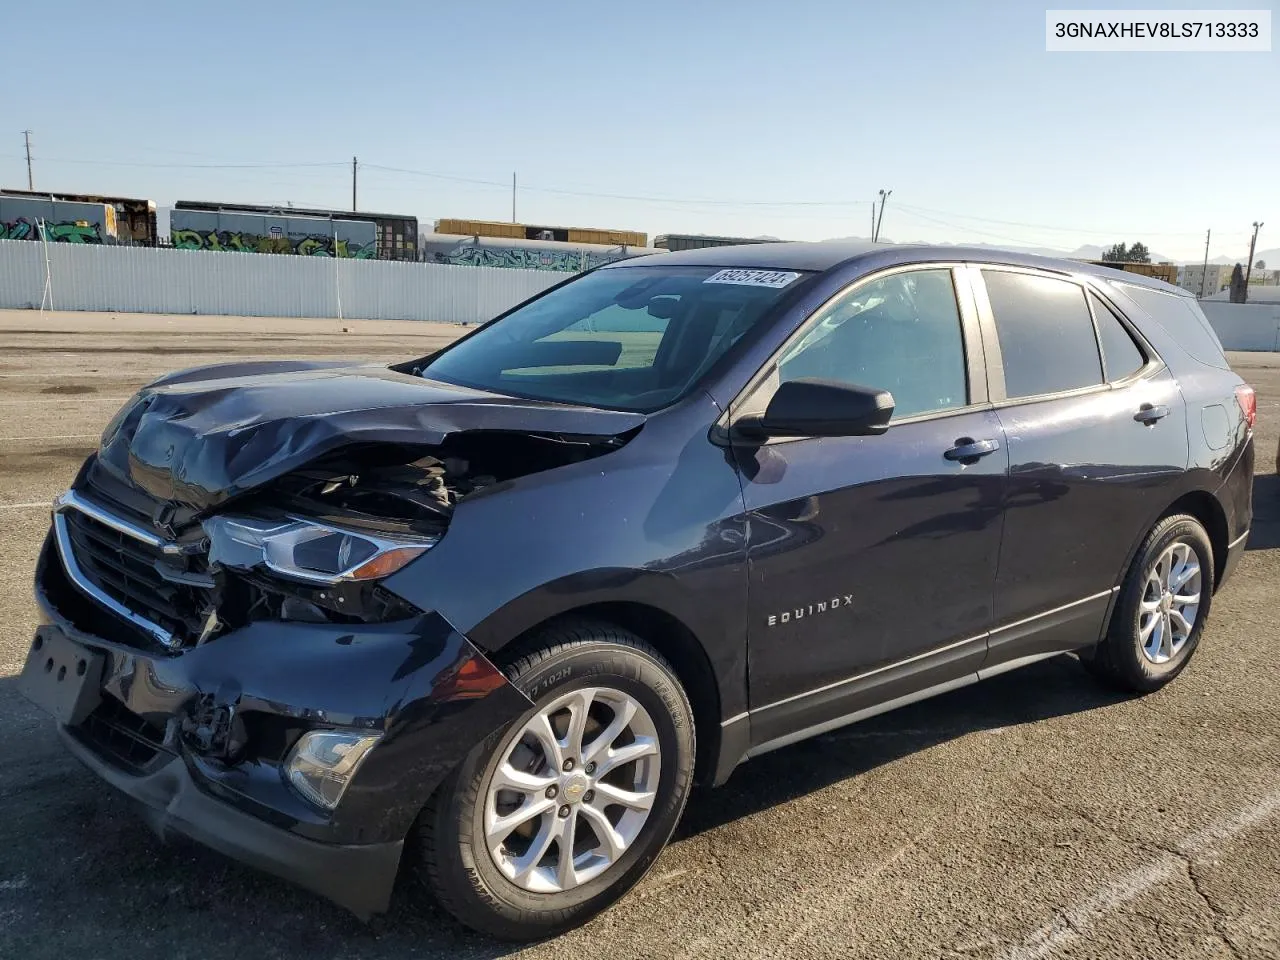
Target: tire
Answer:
[[1124, 659], [569, 661]]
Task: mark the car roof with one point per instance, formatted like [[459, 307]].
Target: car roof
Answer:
[[827, 255]]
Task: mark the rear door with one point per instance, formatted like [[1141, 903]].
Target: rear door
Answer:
[[873, 559], [1096, 432]]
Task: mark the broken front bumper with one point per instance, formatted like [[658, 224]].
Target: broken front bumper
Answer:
[[358, 876], [200, 738]]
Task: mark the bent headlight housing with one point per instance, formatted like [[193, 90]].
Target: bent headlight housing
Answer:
[[322, 763], [308, 551]]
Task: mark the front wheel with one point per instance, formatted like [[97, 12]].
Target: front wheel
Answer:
[[553, 818]]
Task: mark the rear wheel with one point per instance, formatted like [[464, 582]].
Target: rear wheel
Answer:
[[553, 818], [1161, 611]]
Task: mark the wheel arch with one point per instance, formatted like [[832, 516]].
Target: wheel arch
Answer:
[[1204, 506], [670, 637]]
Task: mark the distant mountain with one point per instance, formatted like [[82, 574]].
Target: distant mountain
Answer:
[[1270, 257]]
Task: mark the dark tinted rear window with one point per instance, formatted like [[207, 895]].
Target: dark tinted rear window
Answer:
[[1183, 320], [1120, 355], [1046, 334]]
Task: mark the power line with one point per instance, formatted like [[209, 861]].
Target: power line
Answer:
[[192, 166], [623, 196], [1045, 226]]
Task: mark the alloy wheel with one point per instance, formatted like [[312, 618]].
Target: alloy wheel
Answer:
[[1170, 603], [573, 789]]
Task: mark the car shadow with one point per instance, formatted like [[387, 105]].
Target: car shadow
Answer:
[[1265, 534], [68, 836], [1051, 688]]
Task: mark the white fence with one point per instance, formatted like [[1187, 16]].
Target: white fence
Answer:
[[147, 280], [1244, 326]]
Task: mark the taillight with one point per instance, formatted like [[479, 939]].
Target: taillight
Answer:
[[1248, 401]]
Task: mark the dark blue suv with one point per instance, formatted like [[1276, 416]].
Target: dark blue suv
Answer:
[[494, 611]]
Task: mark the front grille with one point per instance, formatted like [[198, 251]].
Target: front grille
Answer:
[[168, 591], [121, 737]]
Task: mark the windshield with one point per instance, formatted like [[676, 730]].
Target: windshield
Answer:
[[630, 338]]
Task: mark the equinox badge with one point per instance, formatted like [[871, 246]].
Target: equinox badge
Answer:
[[812, 610]]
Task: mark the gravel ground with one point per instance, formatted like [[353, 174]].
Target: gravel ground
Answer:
[[1030, 816]]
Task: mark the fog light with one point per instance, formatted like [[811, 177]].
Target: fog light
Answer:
[[323, 762]]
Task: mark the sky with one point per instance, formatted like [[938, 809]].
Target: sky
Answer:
[[733, 117]]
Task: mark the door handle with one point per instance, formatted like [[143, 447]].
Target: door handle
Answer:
[[1150, 413], [968, 450]]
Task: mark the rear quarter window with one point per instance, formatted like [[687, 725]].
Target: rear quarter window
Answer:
[[1182, 319]]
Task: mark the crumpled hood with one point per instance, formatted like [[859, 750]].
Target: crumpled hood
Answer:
[[201, 436]]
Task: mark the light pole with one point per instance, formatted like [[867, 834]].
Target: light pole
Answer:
[[1204, 270], [884, 195], [1248, 267]]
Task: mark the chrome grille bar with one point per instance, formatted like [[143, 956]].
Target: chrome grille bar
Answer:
[[73, 501]]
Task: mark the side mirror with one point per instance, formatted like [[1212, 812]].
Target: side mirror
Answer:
[[821, 408]]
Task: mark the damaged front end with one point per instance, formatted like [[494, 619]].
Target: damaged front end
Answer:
[[213, 592], [311, 545]]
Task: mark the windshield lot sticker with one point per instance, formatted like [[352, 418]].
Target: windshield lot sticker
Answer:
[[753, 278]]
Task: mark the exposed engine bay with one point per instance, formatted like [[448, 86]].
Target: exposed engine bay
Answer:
[[376, 487], [290, 491], [226, 569]]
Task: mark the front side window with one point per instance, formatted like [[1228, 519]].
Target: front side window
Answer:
[[630, 338], [1046, 335], [900, 333]]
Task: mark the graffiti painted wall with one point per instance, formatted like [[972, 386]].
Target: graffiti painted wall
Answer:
[[520, 254], [252, 233], [63, 222]]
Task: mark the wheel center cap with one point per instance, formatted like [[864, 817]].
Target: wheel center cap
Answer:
[[1166, 602], [574, 787]]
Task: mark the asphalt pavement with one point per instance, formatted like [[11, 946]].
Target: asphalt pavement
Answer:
[[1034, 815]]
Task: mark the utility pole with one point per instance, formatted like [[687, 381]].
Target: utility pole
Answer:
[[884, 196], [353, 185], [513, 196], [26, 136], [1248, 267], [1204, 271], [873, 221]]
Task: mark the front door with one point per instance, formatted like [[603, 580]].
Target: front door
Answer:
[[872, 560]]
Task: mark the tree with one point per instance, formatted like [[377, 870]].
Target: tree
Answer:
[[1237, 285], [1260, 265], [1119, 253]]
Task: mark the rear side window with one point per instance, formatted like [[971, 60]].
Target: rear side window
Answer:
[[1120, 355], [1046, 334], [1182, 318]]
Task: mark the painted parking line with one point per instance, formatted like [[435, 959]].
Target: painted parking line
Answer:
[[41, 401], [54, 436], [1073, 922], [27, 506]]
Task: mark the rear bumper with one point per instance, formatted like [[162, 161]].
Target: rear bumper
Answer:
[[1235, 550], [359, 877]]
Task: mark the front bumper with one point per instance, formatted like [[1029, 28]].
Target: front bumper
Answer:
[[359, 877], [219, 719]]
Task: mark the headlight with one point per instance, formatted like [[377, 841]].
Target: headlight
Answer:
[[323, 762], [304, 550]]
